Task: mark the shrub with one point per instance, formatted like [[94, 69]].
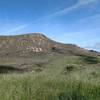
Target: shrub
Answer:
[[90, 59]]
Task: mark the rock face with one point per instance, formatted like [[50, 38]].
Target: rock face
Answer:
[[28, 44], [24, 44]]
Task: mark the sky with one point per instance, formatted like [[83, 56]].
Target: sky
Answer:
[[67, 21]]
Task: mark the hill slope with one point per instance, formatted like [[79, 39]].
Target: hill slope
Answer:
[[52, 70], [28, 44], [26, 52]]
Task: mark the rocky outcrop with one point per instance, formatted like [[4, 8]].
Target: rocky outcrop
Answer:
[[28, 44]]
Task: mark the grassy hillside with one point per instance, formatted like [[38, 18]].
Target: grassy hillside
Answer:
[[34, 67], [61, 77]]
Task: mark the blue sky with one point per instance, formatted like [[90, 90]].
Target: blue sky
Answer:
[[67, 21]]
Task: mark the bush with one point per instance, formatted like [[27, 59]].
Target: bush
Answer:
[[70, 67], [90, 59]]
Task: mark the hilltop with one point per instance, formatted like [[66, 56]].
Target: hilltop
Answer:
[[30, 44]]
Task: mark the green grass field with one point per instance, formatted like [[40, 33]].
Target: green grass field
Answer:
[[61, 78]]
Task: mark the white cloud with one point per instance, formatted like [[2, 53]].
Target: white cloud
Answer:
[[94, 17], [78, 4], [87, 25], [75, 6], [14, 29], [84, 2], [95, 46]]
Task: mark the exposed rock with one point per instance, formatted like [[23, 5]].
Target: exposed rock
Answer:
[[23, 45]]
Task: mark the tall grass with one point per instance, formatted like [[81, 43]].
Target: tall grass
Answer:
[[41, 87], [57, 81]]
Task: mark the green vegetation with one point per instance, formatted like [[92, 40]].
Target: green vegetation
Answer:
[[91, 59], [62, 78]]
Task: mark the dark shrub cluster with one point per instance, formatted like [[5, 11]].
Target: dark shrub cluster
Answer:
[[90, 59]]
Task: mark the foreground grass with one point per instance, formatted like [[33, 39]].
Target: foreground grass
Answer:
[[55, 82], [42, 88]]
